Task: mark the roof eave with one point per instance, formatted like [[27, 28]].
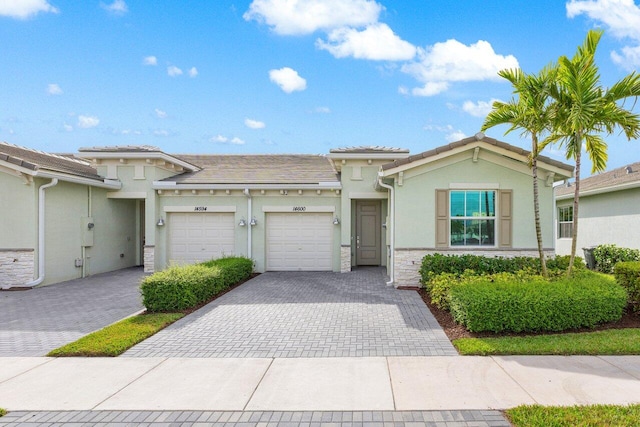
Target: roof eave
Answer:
[[156, 155], [172, 185], [607, 189]]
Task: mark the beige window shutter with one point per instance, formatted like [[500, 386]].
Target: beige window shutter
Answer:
[[442, 218], [506, 221]]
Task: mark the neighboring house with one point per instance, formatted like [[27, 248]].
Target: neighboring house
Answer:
[[114, 207], [609, 210]]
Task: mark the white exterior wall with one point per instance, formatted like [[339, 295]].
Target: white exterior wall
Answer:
[[605, 218]]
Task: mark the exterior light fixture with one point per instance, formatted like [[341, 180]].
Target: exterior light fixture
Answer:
[[160, 222], [242, 223], [253, 222], [336, 221]]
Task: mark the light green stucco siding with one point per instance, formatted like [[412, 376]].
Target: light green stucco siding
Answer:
[[18, 211], [415, 200], [605, 218]]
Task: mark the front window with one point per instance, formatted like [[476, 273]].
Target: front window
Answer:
[[565, 222], [473, 218]]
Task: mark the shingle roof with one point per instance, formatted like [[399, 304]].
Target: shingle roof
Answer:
[[470, 140], [257, 169], [39, 160], [369, 149], [624, 175]]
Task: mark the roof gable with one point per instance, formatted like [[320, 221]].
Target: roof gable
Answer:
[[479, 140]]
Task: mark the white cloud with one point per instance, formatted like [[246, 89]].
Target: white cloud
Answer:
[[150, 60], [376, 42], [220, 139], [23, 9], [193, 72], [478, 109], [452, 61], [161, 133], [160, 114], [323, 110], [451, 134], [288, 79], [86, 122], [254, 124], [118, 7], [54, 89], [402, 90], [622, 20], [67, 127], [174, 71], [295, 17]]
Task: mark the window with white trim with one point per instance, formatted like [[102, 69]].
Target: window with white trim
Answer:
[[565, 222], [472, 215]]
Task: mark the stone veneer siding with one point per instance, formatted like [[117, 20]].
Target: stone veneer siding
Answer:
[[345, 259], [16, 266], [149, 259], [408, 261]]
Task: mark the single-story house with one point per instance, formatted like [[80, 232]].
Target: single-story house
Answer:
[[105, 208], [609, 210]]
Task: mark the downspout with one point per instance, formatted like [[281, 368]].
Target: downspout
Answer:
[[41, 234], [391, 228], [84, 248], [249, 228]]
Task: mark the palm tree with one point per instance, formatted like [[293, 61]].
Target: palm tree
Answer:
[[583, 110], [529, 113]]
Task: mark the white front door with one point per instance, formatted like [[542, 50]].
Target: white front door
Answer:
[[195, 237], [299, 241]]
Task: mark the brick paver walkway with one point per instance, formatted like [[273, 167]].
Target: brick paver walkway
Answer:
[[251, 419], [36, 321], [301, 314]]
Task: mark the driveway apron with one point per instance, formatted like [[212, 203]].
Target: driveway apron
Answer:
[[36, 321], [305, 314]]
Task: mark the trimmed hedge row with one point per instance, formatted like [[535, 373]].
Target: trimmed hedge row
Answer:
[[182, 287], [433, 265], [500, 304], [607, 256], [628, 276]]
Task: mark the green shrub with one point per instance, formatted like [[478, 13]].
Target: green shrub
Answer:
[[234, 269], [507, 304], [180, 287], [628, 276], [435, 264], [607, 256], [185, 286]]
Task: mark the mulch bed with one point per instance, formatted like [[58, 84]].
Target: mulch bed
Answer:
[[455, 331]]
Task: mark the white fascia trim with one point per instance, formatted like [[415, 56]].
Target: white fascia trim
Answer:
[[610, 189], [107, 183], [561, 173], [172, 185], [138, 155], [474, 186]]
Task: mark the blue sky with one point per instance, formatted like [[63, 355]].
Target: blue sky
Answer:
[[286, 76]]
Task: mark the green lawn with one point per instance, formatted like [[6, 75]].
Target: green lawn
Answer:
[[119, 337], [607, 342], [582, 416]]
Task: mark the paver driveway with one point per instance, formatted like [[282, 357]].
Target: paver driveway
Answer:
[[36, 321], [300, 314]]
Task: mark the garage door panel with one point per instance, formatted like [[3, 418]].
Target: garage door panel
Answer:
[[299, 241], [195, 237]]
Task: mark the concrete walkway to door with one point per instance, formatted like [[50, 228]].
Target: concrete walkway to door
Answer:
[[305, 314]]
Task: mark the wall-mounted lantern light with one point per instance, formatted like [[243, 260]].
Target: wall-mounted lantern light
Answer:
[[336, 221], [160, 222], [242, 223], [253, 222]]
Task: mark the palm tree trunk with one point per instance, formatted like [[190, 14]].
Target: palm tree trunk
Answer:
[[576, 196], [536, 211]]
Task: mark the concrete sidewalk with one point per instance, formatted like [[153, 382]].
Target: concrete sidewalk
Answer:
[[315, 384]]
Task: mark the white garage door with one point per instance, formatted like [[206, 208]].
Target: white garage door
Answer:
[[299, 241], [197, 237]]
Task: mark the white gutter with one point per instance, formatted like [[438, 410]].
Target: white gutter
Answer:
[[249, 227], [172, 185], [390, 227], [41, 234]]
